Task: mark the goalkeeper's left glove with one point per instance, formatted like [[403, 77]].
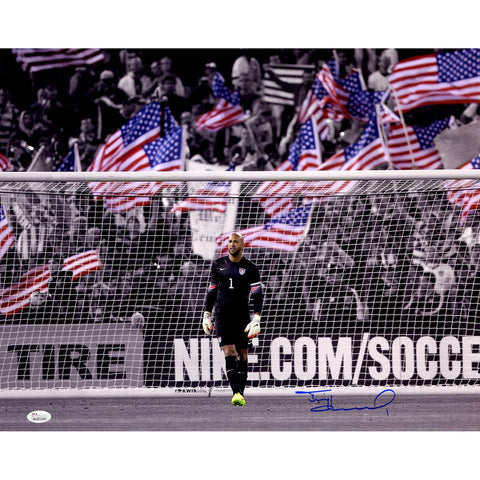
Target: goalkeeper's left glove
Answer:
[[253, 328]]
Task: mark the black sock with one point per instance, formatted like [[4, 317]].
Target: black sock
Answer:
[[242, 374], [232, 372]]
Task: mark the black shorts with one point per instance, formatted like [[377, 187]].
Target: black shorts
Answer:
[[230, 326]]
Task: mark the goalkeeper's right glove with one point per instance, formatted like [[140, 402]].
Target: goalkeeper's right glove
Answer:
[[207, 323], [253, 328]]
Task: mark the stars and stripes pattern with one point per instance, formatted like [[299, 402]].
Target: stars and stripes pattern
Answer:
[[7, 238], [138, 147], [449, 77], [304, 154], [16, 297], [34, 60], [283, 232], [465, 193], [212, 196], [227, 111], [71, 163], [412, 147]]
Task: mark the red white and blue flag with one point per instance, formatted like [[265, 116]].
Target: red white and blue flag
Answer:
[[7, 238], [212, 196], [17, 296], [412, 147], [465, 193], [5, 164], [71, 163], [226, 112], [138, 147], [304, 155], [37, 59], [282, 232], [450, 77]]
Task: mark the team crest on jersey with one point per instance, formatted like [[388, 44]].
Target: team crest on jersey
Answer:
[[241, 271]]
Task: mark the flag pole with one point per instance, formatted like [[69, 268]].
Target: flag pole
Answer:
[[404, 125]]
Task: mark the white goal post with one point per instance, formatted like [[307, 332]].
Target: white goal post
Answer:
[[371, 280]]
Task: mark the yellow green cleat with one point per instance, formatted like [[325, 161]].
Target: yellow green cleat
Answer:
[[238, 400]]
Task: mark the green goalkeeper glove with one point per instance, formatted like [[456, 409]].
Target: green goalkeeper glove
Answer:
[[253, 328], [207, 323]]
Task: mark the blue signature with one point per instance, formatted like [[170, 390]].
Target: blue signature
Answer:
[[326, 401]]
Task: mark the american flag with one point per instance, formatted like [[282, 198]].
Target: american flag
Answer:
[[138, 147], [304, 154], [226, 112], [71, 163], [4, 163], [212, 196], [274, 93], [7, 238], [412, 147], [17, 296], [37, 59], [450, 77], [83, 263], [366, 154], [465, 193], [282, 232]]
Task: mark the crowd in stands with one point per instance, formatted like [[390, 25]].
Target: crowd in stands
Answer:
[[365, 258]]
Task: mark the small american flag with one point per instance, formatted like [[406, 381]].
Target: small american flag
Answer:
[[83, 263], [17, 296], [412, 147], [465, 193], [304, 154], [7, 238], [282, 232], [450, 77], [71, 163], [37, 59], [5, 164], [226, 112], [212, 196], [137, 147]]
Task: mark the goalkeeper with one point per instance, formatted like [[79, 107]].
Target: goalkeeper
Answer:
[[234, 280]]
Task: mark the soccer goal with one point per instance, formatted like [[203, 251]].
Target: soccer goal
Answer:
[[371, 280]]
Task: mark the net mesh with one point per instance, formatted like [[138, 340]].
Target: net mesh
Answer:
[[366, 283]]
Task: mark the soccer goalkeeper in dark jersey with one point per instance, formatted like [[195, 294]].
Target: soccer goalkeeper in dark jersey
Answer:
[[234, 280]]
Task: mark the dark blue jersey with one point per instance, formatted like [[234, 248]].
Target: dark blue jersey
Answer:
[[232, 284]]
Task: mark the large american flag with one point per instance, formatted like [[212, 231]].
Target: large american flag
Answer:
[[304, 154], [17, 296], [226, 112], [37, 59], [138, 147], [276, 94], [465, 193], [282, 232], [412, 147], [211, 196], [450, 77], [7, 238]]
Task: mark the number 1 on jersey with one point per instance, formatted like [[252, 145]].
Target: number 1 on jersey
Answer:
[[231, 283]]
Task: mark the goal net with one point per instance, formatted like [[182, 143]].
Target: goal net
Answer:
[[369, 281]]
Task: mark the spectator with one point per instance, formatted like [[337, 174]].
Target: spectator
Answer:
[[87, 142], [247, 67], [378, 80], [8, 120], [175, 103], [159, 69], [135, 83]]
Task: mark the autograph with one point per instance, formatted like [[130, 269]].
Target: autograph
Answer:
[[326, 401]]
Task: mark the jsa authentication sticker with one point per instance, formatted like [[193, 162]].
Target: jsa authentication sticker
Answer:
[[38, 416]]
